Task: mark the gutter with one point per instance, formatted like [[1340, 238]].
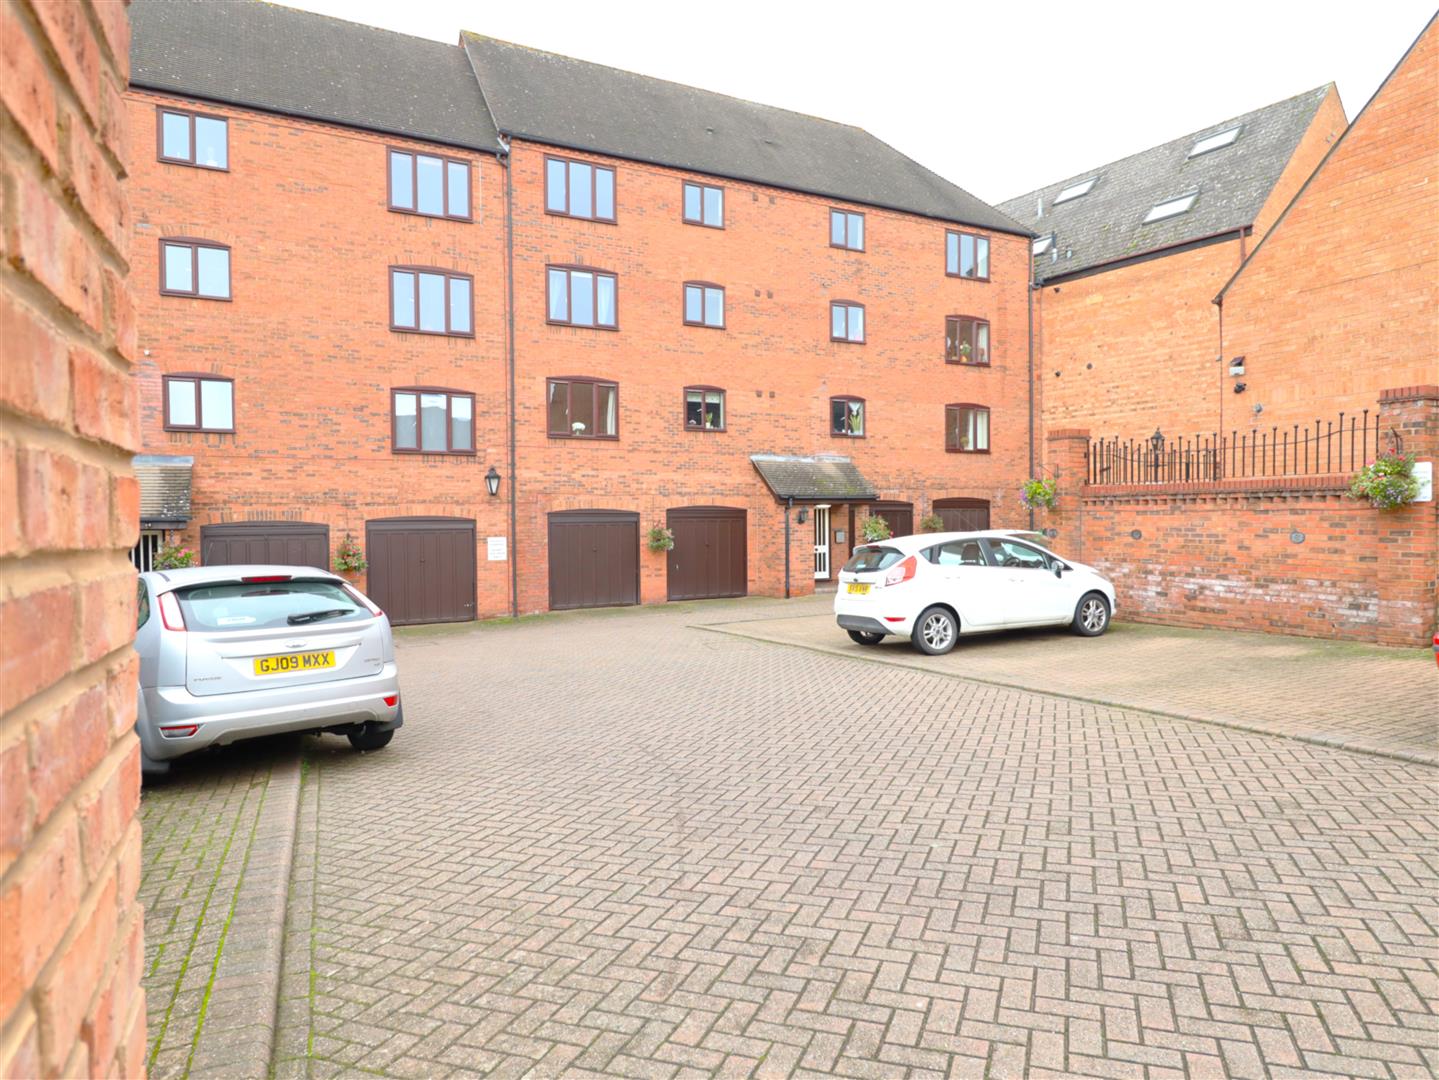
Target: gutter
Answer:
[[504, 160]]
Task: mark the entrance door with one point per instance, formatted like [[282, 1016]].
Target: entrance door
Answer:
[[594, 558], [422, 569], [821, 543], [281, 543], [708, 559], [963, 515]]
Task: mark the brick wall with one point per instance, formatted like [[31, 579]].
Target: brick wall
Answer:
[[1340, 300], [1287, 555], [70, 929]]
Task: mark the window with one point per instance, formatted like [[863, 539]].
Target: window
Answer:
[[1042, 244], [426, 421], [579, 189], [704, 304], [199, 403], [429, 185], [1075, 190], [871, 557], [425, 301], [704, 408], [1217, 141], [704, 205], [846, 322], [579, 296], [1171, 207], [195, 268], [966, 340], [1016, 556], [956, 553], [187, 138], [583, 409], [846, 230], [144, 562], [966, 255], [966, 429], [846, 417]]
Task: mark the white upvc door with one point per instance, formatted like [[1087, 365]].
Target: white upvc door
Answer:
[[821, 543]]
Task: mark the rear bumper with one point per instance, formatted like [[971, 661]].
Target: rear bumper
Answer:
[[221, 719], [865, 623]]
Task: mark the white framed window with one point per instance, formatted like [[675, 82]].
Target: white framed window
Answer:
[[1042, 244], [1169, 208], [1075, 190], [1218, 141]]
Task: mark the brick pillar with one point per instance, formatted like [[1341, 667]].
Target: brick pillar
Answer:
[[1409, 537], [71, 949], [1065, 459]]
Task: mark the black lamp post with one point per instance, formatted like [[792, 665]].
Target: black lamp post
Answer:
[[492, 481], [1156, 445]]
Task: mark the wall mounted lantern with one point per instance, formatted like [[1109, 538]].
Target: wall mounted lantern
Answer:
[[492, 481]]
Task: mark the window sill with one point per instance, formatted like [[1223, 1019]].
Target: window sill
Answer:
[[432, 333], [432, 453], [583, 438], [957, 450], [431, 217]]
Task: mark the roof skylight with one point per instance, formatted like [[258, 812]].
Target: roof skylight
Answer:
[[1042, 244], [1075, 190], [1217, 141], [1171, 207]]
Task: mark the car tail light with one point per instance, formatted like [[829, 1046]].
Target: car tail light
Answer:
[[901, 572], [179, 731], [264, 579], [170, 612], [362, 598], [392, 700]]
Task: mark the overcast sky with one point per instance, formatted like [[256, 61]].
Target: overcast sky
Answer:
[[999, 97]]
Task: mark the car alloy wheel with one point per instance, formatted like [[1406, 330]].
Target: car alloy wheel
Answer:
[[938, 631], [1093, 614]]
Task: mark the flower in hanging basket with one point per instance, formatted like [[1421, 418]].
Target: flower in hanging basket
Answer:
[[349, 559], [173, 557], [931, 523], [1039, 493], [659, 538], [1388, 484], [874, 529]]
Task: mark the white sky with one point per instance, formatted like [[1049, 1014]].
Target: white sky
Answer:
[[999, 97]]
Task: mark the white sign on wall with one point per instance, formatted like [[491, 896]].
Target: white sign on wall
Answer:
[[495, 546], [1424, 473]]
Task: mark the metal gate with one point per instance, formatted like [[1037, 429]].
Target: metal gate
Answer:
[[422, 569], [594, 558], [709, 559]]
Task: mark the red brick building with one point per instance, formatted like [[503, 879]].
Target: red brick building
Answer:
[[624, 302]]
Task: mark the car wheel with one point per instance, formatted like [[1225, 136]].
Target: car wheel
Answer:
[[865, 637], [935, 631], [1091, 615], [369, 737]]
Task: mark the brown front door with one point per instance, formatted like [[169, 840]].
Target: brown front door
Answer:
[[282, 543], [422, 569], [963, 515], [899, 516], [594, 558], [709, 558]]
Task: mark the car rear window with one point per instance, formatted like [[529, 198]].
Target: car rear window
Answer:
[[866, 559], [278, 605]]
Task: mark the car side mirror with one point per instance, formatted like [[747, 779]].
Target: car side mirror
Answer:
[[1059, 569]]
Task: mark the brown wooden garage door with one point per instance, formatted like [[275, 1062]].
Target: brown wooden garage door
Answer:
[[899, 515], [594, 558], [422, 569], [709, 559], [963, 515], [282, 543]]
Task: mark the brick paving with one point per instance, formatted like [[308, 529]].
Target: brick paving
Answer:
[[617, 844]]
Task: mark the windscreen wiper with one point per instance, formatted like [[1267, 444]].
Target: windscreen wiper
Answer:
[[316, 616]]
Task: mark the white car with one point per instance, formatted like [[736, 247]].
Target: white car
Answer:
[[936, 586]]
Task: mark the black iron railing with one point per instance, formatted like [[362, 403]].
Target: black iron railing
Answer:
[[1326, 447]]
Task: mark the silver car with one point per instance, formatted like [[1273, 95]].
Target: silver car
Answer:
[[233, 652]]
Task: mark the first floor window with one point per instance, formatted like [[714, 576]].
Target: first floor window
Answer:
[[846, 322], [966, 340], [433, 421], [583, 408], [195, 268], [429, 185], [192, 139], [704, 409], [846, 416], [431, 301], [199, 403], [966, 255], [846, 230], [578, 296], [966, 429], [704, 205], [579, 189], [704, 304]]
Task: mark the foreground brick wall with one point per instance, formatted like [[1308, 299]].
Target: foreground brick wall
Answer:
[[70, 929], [1288, 555]]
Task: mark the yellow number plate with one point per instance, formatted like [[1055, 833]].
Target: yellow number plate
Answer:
[[304, 661], [858, 587]]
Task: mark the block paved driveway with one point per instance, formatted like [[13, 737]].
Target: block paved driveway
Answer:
[[616, 843]]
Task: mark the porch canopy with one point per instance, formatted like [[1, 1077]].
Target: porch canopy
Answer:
[[818, 478], [164, 481]]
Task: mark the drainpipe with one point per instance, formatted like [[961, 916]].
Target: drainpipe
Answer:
[[504, 160], [789, 508], [1223, 368], [1030, 298]]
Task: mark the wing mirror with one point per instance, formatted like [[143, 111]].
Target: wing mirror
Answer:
[[1059, 569]]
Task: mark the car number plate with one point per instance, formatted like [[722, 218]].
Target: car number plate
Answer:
[[304, 661], [858, 587]]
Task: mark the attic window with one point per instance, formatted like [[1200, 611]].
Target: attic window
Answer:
[[1171, 207], [1217, 141], [1042, 244], [1075, 190]]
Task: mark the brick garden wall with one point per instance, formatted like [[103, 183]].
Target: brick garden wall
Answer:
[[1286, 555], [70, 929]]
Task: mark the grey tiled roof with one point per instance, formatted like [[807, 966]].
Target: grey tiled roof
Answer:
[[164, 488], [556, 99], [814, 478], [246, 52], [1233, 182]]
